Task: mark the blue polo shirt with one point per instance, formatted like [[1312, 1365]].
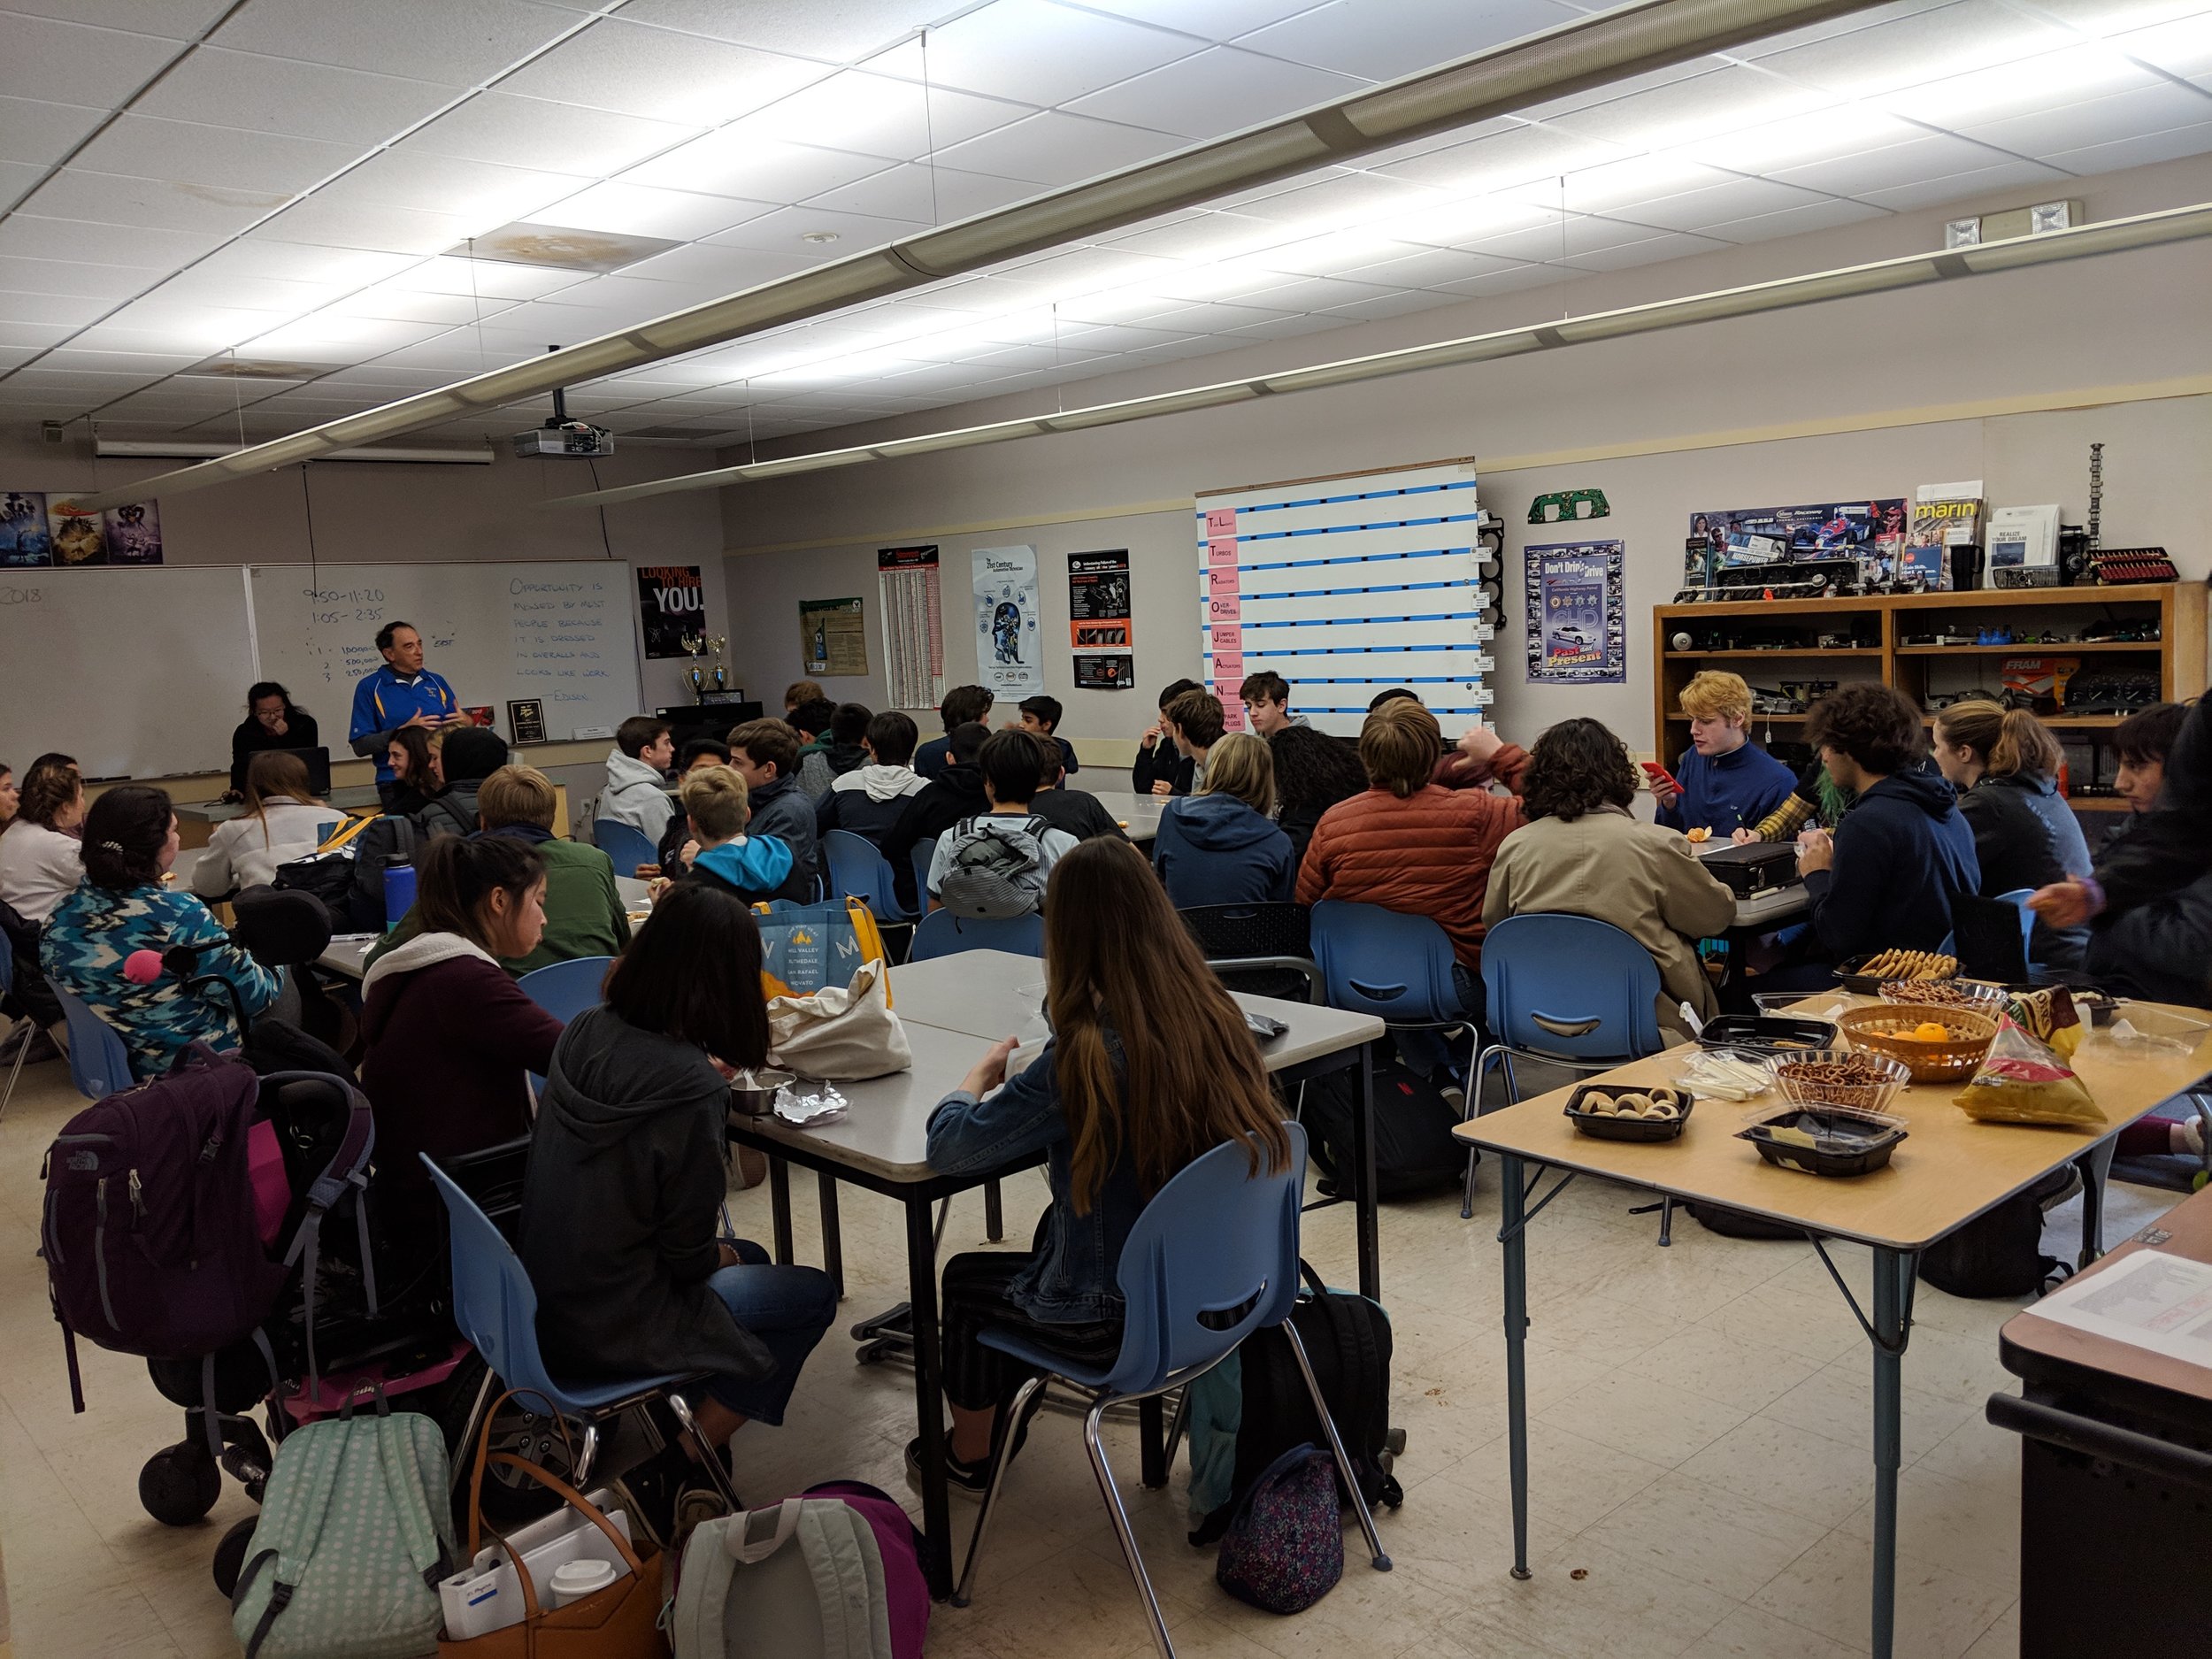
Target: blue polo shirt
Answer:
[[385, 701]]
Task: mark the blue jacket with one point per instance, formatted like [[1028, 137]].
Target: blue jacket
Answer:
[[754, 867], [1901, 852], [1727, 791], [383, 702], [1214, 849], [786, 811], [1071, 1278]]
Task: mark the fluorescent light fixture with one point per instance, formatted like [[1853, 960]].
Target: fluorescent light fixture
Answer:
[[1585, 52], [180, 449], [2147, 230]]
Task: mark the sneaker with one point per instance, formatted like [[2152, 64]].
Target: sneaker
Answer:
[[666, 1496], [970, 1480], [696, 1502]]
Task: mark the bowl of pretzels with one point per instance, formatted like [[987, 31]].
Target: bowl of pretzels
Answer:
[[1850, 1077]]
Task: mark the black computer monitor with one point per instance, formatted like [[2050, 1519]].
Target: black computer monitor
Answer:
[[707, 719], [318, 764]]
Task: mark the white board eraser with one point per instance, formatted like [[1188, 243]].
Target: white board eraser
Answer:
[[594, 731]]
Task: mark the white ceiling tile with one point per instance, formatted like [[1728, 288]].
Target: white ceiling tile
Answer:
[[403, 305], [737, 162], [1891, 167], [16, 180], [1849, 23], [32, 336], [1384, 43], [835, 31], [1733, 200], [1618, 184], [2156, 107], [1821, 213], [68, 62], [375, 226], [478, 191], [1799, 141], [1286, 327], [2028, 87], [2183, 47], [271, 94], [185, 152], [40, 133], [326, 338], [179, 326], [1213, 20], [1957, 186], [1215, 91], [780, 232], [1335, 254], [292, 262], [1214, 319], [1552, 240], [54, 276], [728, 269], [28, 236], [1392, 304], [1191, 235], [1647, 250], [493, 278], [1347, 199], [633, 70], [246, 293], [145, 366], [518, 132], [1516, 279], [1054, 147], [2136, 152], [74, 193], [173, 20], [1519, 155], [636, 210], [452, 41], [1927, 46], [879, 115], [1035, 51], [1692, 108], [1430, 268], [931, 195], [1314, 294]]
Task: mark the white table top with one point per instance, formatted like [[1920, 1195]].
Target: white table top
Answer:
[[1139, 815]]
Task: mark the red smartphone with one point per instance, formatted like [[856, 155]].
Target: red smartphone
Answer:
[[1659, 774]]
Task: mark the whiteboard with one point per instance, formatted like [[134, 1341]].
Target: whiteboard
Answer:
[[563, 633], [136, 673]]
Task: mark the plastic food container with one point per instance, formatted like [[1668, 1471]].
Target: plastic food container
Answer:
[[1825, 1140], [1607, 1126], [1801, 1090], [1767, 1033]]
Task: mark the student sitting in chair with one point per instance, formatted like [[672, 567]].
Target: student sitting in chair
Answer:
[[42, 857], [2005, 768], [621, 1215], [847, 750], [996, 863], [868, 801], [1221, 846], [1150, 1065], [416, 780], [754, 868], [1584, 853], [1157, 758], [1266, 699], [955, 793], [1727, 782], [962, 704], [765, 754], [1193, 724], [1077, 811], [1041, 719], [697, 754], [281, 822], [637, 785]]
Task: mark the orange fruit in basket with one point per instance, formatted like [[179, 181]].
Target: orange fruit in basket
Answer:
[[1928, 1031]]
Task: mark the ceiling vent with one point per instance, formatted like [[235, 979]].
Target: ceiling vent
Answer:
[[229, 367], [560, 248]]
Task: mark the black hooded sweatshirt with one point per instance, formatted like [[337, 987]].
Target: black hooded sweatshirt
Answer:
[[628, 1174], [1902, 851]]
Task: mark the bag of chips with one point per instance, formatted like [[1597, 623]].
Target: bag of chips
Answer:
[[2021, 1081], [2049, 1016]]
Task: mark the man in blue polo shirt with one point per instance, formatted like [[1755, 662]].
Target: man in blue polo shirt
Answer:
[[400, 694]]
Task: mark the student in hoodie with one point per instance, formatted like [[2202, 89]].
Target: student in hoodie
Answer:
[[1887, 876], [1266, 699], [1008, 763], [867, 800], [1158, 760], [471, 754], [1149, 1066], [622, 1209], [1077, 811], [1221, 846], [847, 751], [1728, 782], [450, 1038], [2005, 768], [1041, 719], [754, 868], [765, 754], [1193, 723], [811, 720], [799, 693], [955, 793], [962, 704], [697, 753], [637, 786]]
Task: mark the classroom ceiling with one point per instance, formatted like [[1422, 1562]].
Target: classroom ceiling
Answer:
[[237, 218]]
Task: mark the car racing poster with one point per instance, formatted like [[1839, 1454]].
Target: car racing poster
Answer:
[[1008, 635], [1098, 620], [1576, 618]]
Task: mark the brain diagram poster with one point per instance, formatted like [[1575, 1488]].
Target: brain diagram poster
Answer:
[[1009, 637]]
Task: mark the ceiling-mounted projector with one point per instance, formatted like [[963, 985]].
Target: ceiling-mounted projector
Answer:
[[562, 437]]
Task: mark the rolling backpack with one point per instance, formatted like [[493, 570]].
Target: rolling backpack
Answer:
[[1256, 1400], [835, 1572], [994, 868], [356, 1531]]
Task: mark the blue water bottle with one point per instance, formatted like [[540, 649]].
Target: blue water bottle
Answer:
[[399, 890]]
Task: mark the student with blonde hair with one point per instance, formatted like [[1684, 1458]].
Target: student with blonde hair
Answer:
[[1221, 845], [1727, 782], [2004, 765], [719, 807]]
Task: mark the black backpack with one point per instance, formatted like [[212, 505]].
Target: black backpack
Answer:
[[1415, 1149], [401, 836], [1347, 1338], [2000, 1252]]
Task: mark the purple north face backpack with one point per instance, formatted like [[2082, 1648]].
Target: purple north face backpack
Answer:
[[1284, 1547]]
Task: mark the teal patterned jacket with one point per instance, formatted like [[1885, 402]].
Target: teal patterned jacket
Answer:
[[93, 929]]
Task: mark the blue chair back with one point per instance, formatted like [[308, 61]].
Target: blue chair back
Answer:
[[942, 933], [493, 1302], [624, 843], [1374, 961], [924, 853], [858, 870], [1571, 988], [1986, 951], [99, 1063], [565, 989]]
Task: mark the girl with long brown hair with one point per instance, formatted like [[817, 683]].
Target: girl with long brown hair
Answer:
[[282, 821], [1149, 1066], [2004, 765]]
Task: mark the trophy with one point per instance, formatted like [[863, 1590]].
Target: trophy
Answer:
[[694, 645], [721, 676]]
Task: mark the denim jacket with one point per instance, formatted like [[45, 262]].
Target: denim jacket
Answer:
[[1071, 1278]]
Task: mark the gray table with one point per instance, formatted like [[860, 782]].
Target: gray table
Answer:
[[1139, 815], [355, 798]]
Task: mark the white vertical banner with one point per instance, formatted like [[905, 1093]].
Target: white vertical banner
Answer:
[[1009, 631]]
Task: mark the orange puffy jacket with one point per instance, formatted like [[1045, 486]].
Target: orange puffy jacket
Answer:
[[1427, 854]]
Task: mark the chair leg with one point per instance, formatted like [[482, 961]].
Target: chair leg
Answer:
[[1381, 1561], [1004, 1455], [1123, 1531], [590, 1454], [22, 1049], [466, 1454], [1473, 1108], [711, 1459], [1178, 1423]]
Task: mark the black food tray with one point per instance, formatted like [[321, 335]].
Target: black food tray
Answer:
[[1848, 1144], [1768, 1034], [1605, 1126], [1866, 985]]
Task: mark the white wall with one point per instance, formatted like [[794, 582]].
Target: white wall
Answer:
[[1696, 418]]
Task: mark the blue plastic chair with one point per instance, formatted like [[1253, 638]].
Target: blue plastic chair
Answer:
[[1396, 967], [858, 870], [1217, 1237], [942, 933], [496, 1309], [99, 1063], [565, 989], [624, 843], [2018, 898], [924, 853], [1569, 991]]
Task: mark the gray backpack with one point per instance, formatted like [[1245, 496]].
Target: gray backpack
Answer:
[[994, 868], [355, 1531], [835, 1572]]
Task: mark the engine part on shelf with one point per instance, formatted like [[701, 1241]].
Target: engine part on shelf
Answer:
[[2121, 566], [2111, 691], [1765, 701], [2121, 633], [1564, 506], [2013, 576]]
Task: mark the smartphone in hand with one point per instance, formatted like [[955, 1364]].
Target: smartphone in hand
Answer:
[[1660, 778]]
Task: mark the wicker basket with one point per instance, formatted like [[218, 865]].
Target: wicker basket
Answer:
[[1951, 1060]]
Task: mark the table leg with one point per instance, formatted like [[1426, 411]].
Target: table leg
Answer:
[[1513, 1235], [832, 1233], [994, 1211], [1893, 1272], [1152, 1438], [779, 1206], [929, 1410], [1364, 1156], [2095, 1167]]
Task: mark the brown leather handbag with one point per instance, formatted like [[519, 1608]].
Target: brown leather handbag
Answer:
[[622, 1621]]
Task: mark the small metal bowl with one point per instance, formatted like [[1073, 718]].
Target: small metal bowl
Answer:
[[753, 1093]]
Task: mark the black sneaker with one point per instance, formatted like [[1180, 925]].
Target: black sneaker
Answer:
[[970, 1480]]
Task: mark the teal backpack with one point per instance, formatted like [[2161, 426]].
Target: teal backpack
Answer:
[[355, 1531]]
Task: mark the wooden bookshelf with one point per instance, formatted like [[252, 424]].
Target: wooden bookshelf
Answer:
[[1869, 639]]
